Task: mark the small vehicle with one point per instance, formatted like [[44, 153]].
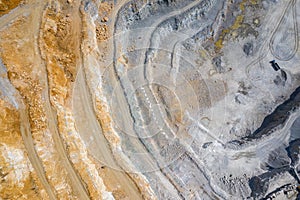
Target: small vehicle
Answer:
[[274, 65]]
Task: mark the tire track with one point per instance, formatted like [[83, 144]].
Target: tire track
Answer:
[[24, 126], [185, 35], [166, 174], [292, 6], [32, 154], [172, 14], [105, 155], [77, 183], [160, 22], [189, 155], [263, 52], [144, 146]]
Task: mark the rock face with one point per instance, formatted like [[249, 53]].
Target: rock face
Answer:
[[159, 99]]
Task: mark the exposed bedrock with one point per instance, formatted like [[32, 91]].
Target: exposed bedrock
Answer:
[[149, 99]]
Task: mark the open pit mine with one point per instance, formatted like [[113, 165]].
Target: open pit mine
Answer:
[[149, 99]]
